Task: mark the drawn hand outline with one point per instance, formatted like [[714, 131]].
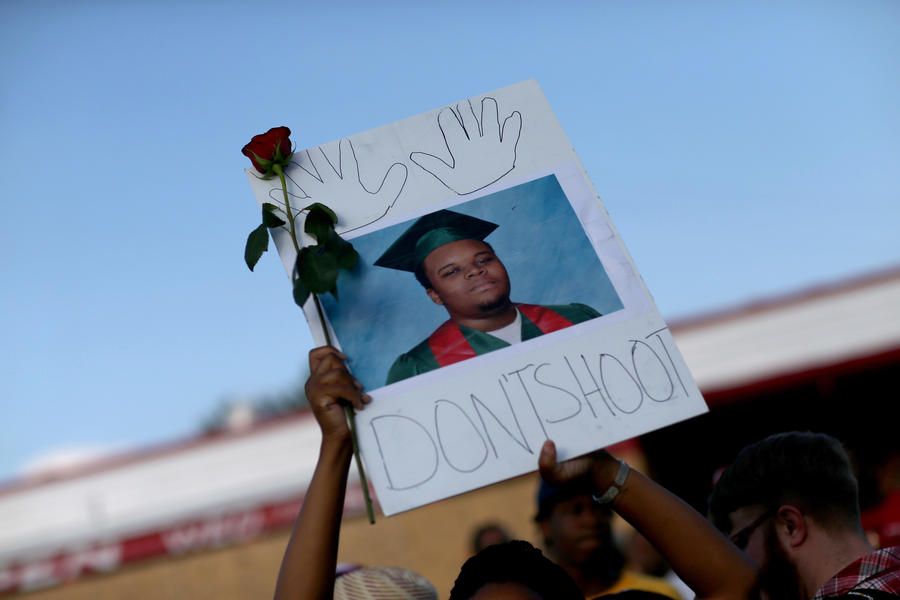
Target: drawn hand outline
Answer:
[[481, 150], [324, 185]]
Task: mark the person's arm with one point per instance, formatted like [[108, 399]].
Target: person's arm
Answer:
[[308, 567], [707, 562]]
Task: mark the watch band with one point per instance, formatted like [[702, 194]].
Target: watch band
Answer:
[[613, 490]]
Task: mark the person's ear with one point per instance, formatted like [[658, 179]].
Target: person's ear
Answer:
[[434, 296], [791, 525]]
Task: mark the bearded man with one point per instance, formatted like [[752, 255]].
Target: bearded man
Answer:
[[791, 503]]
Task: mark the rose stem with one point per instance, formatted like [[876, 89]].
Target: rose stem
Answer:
[[287, 207], [348, 410]]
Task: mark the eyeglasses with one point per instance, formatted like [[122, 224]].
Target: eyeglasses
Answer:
[[742, 537]]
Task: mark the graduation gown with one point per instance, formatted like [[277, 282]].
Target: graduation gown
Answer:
[[451, 343]]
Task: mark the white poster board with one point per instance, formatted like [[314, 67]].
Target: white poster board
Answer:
[[609, 372]]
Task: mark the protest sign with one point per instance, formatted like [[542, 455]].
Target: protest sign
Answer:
[[494, 305]]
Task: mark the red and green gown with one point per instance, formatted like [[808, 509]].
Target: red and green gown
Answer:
[[451, 343]]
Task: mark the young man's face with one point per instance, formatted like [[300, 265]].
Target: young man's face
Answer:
[[467, 278], [576, 530]]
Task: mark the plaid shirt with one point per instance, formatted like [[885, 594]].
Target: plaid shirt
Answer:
[[879, 571]]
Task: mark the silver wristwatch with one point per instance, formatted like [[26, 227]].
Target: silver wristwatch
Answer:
[[613, 490]]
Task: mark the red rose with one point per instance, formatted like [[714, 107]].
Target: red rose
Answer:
[[269, 148]]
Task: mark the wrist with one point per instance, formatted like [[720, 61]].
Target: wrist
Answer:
[[603, 470], [337, 444], [609, 476]]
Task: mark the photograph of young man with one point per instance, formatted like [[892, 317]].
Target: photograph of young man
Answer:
[[446, 252]]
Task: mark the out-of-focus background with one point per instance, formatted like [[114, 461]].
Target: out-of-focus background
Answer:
[[152, 437]]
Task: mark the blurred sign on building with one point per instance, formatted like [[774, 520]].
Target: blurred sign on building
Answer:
[[817, 359]]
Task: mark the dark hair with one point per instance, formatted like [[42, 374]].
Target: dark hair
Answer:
[[514, 562], [422, 278], [477, 543], [809, 470]]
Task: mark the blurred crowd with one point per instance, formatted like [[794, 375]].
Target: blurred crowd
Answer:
[[783, 522]]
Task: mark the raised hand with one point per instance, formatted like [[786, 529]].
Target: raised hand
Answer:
[[307, 569], [336, 181], [481, 148], [559, 473], [329, 385]]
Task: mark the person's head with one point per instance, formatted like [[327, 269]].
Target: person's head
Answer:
[[577, 531], [446, 252], [783, 501], [383, 582], [467, 279], [488, 535], [513, 570]]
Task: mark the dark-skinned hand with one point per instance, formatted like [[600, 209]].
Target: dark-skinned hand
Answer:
[[329, 388], [600, 464]]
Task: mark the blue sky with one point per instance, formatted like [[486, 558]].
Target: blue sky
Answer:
[[742, 148]]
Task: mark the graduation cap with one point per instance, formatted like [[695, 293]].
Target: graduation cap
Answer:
[[429, 233]]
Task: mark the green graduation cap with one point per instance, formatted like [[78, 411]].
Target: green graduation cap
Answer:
[[430, 232]]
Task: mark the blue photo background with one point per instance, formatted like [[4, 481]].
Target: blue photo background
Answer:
[[382, 313]]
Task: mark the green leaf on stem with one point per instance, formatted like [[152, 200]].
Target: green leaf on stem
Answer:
[[269, 218], [317, 269], [344, 252], [257, 243], [301, 292], [348, 257], [319, 206], [319, 222]]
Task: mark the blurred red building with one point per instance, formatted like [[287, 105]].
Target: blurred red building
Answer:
[[209, 516]]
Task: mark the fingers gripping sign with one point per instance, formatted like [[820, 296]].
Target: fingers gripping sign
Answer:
[[600, 466], [331, 386], [559, 473], [331, 391], [481, 148]]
